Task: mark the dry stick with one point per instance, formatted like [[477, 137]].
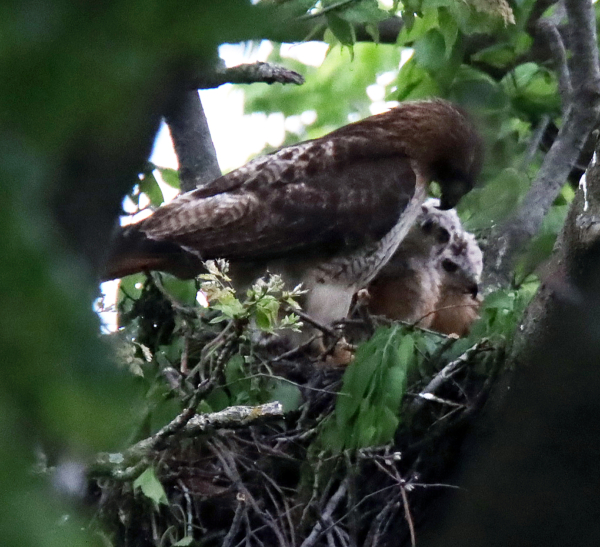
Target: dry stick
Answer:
[[401, 483], [451, 307], [441, 377], [288, 510], [227, 461], [372, 539], [323, 328], [235, 524], [188, 502], [115, 465], [295, 351], [408, 516], [325, 519]]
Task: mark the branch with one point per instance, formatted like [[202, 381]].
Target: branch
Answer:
[[251, 73], [550, 32], [125, 466], [441, 377], [195, 150], [580, 117], [327, 514], [193, 144], [314, 28]]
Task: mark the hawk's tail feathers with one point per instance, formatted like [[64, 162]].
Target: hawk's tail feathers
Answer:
[[132, 251]]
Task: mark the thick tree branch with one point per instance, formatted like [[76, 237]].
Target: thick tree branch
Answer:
[[535, 463], [314, 29], [195, 150], [580, 117]]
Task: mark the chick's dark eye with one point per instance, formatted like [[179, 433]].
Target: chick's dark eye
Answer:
[[443, 235], [427, 226], [449, 266]]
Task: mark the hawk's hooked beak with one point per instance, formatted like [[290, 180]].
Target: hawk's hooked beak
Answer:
[[452, 192]]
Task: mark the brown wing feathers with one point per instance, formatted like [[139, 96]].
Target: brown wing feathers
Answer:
[[326, 196]]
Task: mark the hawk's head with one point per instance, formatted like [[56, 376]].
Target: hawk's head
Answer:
[[438, 135], [457, 157]]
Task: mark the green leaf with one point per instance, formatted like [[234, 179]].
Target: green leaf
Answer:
[[184, 542], [477, 90], [170, 177], [151, 487], [149, 185], [430, 51], [366, 411], [182, 290], [414, 82], [287, 394], [498, 55], [341, 29], [267, 310], [496, 200], [449, 30], [229, 305], [234, 370], [533, 89], [366, 11], [424, 23]]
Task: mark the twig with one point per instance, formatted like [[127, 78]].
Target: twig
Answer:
[[372, 539], [451, 307], [535, 141], [188, 502], [549, 30], [331, 506], [407, 515], [235, 524], [440, 378], [323, 328], [229, 467], [295, 351], [248, 73], [117, 466]]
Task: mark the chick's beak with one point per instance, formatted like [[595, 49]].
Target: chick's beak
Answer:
[[474, 290]]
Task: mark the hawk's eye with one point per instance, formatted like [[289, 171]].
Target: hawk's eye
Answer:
[[443, 235], [427, 226], [449, 266]]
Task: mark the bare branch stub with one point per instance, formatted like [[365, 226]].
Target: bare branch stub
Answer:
[[248, 73], [580, 116]]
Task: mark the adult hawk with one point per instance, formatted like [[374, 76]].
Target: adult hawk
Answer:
[[328, 213]]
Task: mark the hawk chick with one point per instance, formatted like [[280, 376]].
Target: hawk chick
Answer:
[[407, 288], [460, 264]]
